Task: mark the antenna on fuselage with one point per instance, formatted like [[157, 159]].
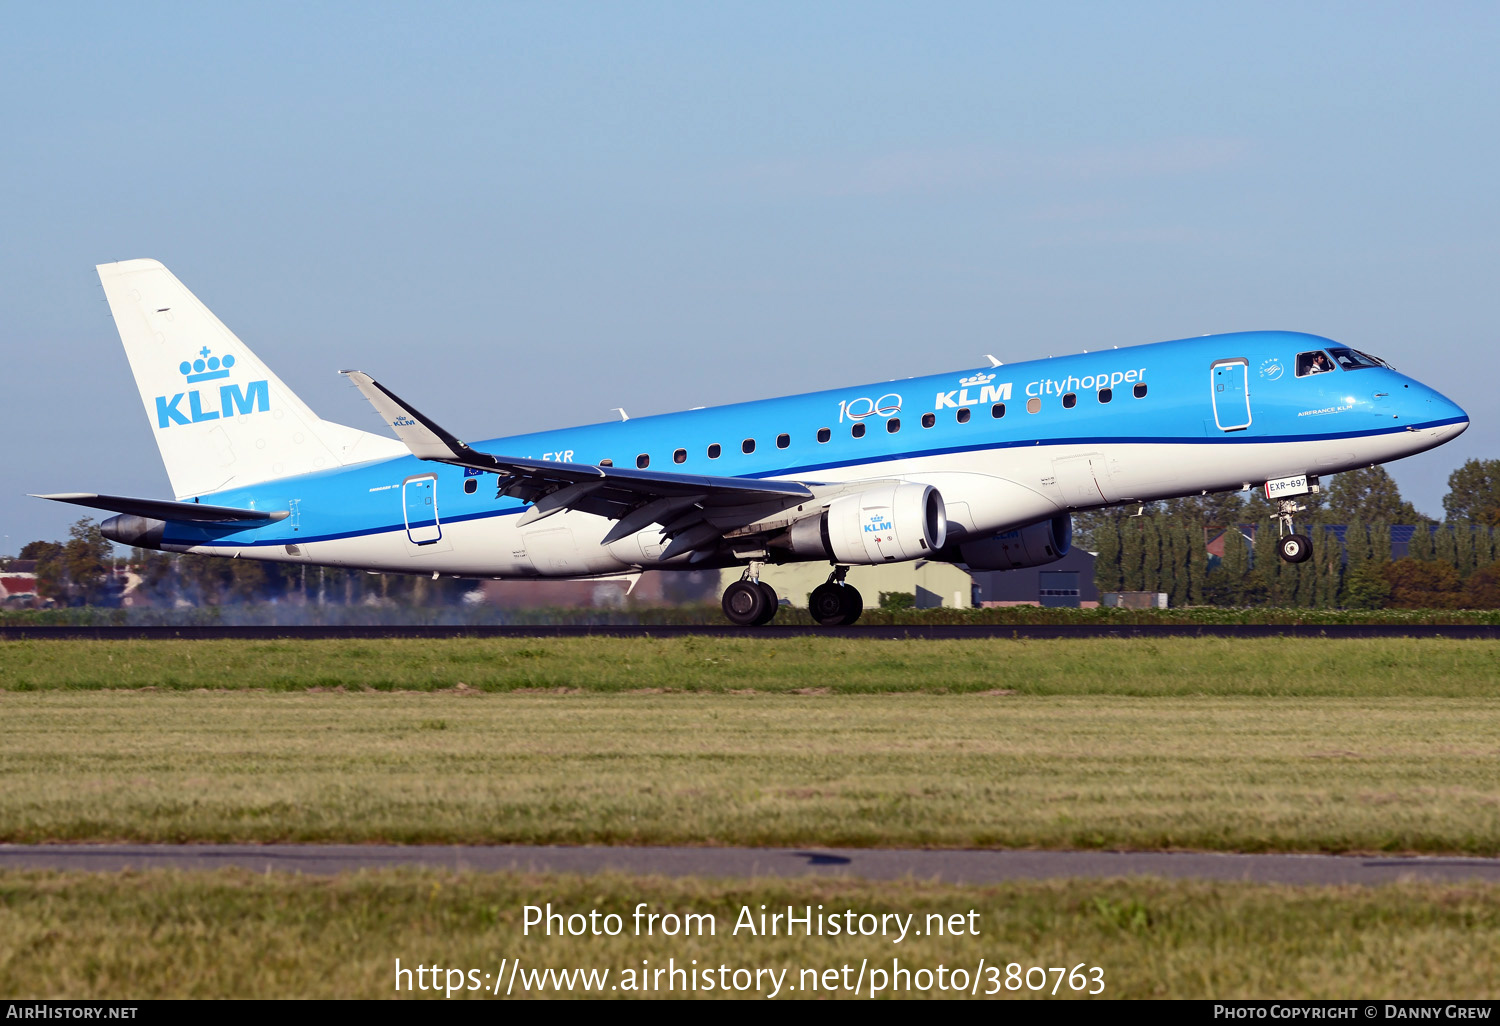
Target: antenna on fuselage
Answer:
[[621, 411], [993, 362]]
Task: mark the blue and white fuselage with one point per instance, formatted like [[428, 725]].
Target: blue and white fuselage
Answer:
[[965, 456]]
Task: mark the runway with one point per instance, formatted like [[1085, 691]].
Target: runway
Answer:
[[948, 632], [960, 867]]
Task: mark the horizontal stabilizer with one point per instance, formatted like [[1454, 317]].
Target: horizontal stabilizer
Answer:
[[165, 509]]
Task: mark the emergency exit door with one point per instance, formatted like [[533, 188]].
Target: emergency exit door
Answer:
[[1231, 391]]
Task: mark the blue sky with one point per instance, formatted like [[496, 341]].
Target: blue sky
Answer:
[[522, 215]]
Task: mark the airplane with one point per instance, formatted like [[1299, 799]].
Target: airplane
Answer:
[[982, 467]]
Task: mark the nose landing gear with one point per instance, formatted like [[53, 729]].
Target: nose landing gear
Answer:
[[1292, 547], [835, 603]]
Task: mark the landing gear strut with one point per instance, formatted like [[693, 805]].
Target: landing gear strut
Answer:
[[750, 601], [1293, 547], [835, 603]]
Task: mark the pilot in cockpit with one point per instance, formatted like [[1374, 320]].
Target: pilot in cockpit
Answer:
[[1313, 363]]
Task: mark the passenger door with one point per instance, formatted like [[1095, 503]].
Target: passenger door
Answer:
[[1230, 380]]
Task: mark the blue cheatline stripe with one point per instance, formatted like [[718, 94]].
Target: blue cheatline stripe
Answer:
[[362, 532], [1235, 438], [888, 458]]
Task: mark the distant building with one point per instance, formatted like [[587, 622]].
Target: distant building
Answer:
[[1067, 582], [1135, 599], [933, 584], [18, 587], [654, 588], [132, 591]]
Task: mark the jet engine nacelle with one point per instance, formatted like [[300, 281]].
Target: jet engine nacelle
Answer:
[[883, 524], [1032, 545]]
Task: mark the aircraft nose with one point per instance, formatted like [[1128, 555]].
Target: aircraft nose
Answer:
[[1445, 416], [1444, 408]]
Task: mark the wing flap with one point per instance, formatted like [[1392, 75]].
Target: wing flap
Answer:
[[428, 441], [681, 501]]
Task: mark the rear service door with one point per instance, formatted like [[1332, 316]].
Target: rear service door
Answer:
[[419, 497], [1231, 390]]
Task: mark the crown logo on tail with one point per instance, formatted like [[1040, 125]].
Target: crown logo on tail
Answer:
[[206, 368]]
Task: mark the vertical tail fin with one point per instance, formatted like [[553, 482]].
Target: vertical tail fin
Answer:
[[221, 418]]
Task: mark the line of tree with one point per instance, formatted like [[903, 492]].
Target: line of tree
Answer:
[[1221, 549], [76, 572], [84, 571]]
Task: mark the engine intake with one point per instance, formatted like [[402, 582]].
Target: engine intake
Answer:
[[884, 524], [1033, 545]]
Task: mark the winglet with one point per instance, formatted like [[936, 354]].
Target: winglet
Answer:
[[428, 441], [422, 435]]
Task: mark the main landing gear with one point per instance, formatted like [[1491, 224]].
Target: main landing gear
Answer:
[[750, 601], [1293, 547], [835, 603]]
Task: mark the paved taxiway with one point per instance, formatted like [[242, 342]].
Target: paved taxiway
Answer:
[[772, 632], [975, 867]]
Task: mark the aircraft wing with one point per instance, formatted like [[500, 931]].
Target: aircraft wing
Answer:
[[166, 509], [693, 510]]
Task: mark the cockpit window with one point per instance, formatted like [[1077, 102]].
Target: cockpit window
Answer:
[[1353, 359], [1315, 362]]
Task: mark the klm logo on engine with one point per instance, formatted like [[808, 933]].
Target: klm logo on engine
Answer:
[[988, 393], [204, 404]]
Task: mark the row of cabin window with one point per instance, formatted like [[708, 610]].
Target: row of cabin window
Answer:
[[857, 430]]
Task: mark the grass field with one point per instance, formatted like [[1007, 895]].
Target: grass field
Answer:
[[1425, 668], [1289, 745], [1215, 773], [230, 933], [1217, 744]]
